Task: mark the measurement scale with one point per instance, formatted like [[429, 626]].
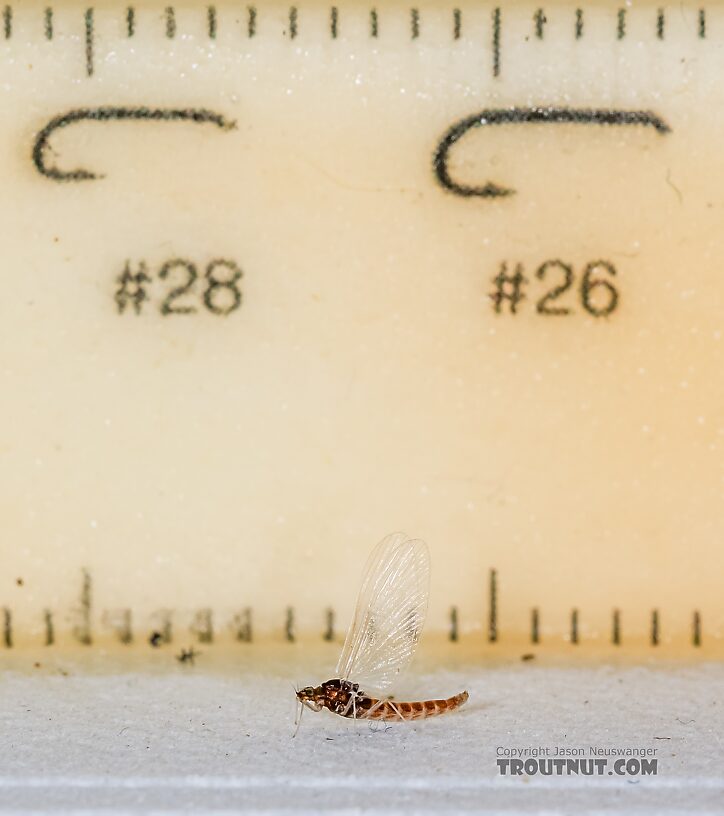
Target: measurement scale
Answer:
[[280, 279]]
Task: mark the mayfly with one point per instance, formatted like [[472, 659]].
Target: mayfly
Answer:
[[382, 639]]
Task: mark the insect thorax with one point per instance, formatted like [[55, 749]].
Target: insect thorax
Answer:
[[337, 694]]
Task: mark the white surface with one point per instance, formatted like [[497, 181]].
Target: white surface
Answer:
[[194, 740]]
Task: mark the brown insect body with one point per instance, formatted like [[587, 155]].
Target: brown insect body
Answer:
[[382, 639], [345, 698]]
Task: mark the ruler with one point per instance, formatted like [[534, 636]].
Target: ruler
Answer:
[[280, 279]]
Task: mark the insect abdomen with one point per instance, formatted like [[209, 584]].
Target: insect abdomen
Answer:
[[393, 710]]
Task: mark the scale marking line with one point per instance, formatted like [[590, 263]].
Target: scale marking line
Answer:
[[616, 628], [89, 43], [454, 629], [655, 627], [496, 41], [289, 625], [211, 21], [170, 15], [242, 625], [414, 23], [328, 633], [49, 628], [7, 628], [48, 19], [574, 627], [493, 607]]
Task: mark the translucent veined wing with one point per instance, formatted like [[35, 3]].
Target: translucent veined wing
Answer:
[[389, 615]]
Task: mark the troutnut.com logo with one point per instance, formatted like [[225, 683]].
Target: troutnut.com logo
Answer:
[[563, 760]]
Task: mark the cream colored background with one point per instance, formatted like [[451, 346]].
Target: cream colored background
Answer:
[[365, 385]]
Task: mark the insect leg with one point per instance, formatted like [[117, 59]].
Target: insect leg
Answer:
[[299, 719], [374, 708], [395, 709], [351, 703]]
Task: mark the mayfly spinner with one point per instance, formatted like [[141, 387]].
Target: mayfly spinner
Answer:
[[382, 639]]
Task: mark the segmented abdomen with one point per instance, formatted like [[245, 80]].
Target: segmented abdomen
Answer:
[[369, 709]]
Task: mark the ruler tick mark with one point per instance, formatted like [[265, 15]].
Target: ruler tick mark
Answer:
[[126, 634], [454, 629], [457, 23], [211, 21], [616, 628], [328, 633], [163, 632], [621, 24], [48, 23], [251, 21], [130, 21], [374, 23], [574, 626], [655, 627], [415, 23], [203, 625], [660, 23], [493, 607], [82, 628], [702, 24], [333, 22], [170, 14], [120, 621], [534, 625], [696, 629], [242, 625], [7, 628], [293, 18], [289, 625], [49, 629], [8, 22], [89, 42], [496, 41], [579, 23], [540, 21]]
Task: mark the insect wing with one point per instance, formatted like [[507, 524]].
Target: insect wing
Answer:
[[389, 615]]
